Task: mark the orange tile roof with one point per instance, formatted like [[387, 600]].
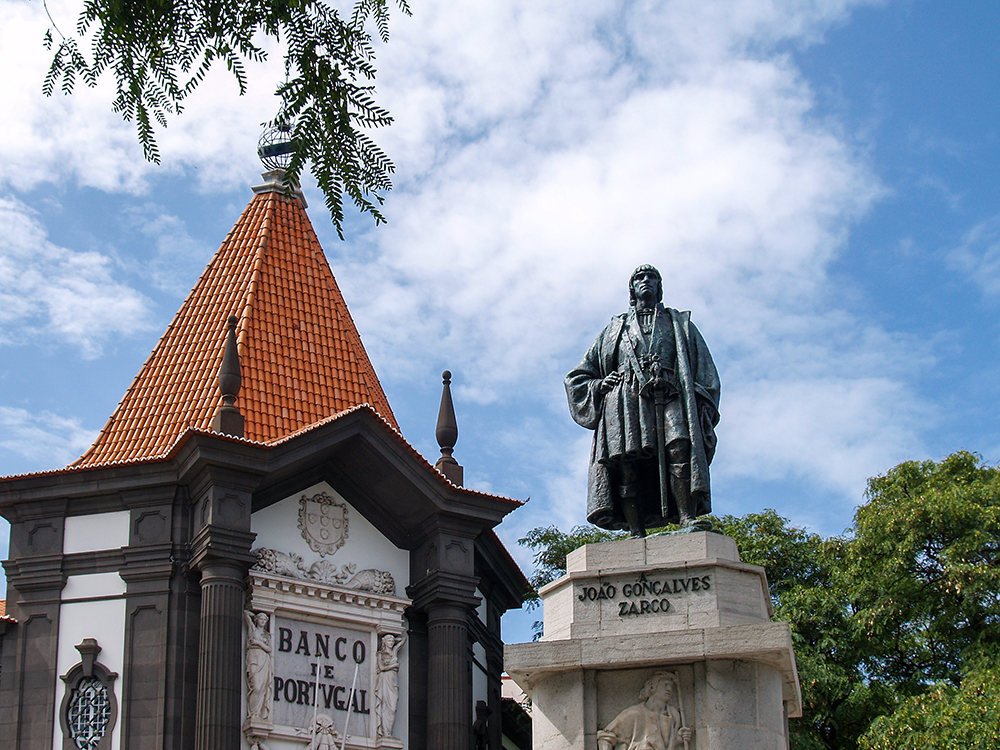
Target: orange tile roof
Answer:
[[301, 358]]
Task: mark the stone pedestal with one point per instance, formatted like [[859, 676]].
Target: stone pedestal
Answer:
[[683, 604]]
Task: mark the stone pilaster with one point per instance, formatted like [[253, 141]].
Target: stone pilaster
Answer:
[[217, 716], [35, 578], [220, 552], [223, 558], [449, 688], [446, 596]]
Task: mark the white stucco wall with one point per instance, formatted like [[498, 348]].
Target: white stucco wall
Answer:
[[98, 531]]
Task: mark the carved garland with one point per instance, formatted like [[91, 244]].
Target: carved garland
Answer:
[[291, 565]]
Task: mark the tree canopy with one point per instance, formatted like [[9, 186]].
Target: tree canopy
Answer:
[[159, 51], [896, 623]]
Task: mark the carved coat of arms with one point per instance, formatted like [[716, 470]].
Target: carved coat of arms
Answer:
[[323, 522]]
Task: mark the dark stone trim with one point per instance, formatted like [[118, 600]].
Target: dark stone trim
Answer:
[[180, 670], [36, 575], [417, 682], [145, 665], [27, 698], [89, 563]]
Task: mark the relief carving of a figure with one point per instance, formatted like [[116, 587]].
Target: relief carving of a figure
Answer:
[[259, 671], [387, 683], [652, 724], [324, 733]]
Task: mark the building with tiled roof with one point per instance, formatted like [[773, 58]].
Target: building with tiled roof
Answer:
[[251, 556]]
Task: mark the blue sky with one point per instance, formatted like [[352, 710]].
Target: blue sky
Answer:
[[816, 181]]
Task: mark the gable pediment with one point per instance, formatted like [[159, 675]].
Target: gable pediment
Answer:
[[383, 477]]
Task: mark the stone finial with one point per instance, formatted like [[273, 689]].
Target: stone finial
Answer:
[[89, 649], [447, 435], [228, 419]]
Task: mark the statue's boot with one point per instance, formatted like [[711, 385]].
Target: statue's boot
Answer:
[[680, 488], [629, 495]]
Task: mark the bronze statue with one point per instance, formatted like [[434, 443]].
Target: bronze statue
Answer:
[[650, 391]]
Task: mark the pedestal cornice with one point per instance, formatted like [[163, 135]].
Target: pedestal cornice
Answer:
[[767, 643]]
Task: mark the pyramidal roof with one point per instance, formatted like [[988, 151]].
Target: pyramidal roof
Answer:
[[301, 358]]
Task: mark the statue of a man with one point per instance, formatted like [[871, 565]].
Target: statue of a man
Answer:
[[651, 724], [650, 391]]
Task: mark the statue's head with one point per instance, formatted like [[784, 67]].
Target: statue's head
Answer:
[[644, 274], [388, 640], [261, 619], [661, 683]]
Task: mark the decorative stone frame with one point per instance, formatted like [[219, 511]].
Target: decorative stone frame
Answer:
[[371, 614], [87, 668]]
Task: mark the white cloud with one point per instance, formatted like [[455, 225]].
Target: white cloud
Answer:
[[52, 291], [532, 186], [544, 150], [978, 255], [835, 432], [176, 256], [44, 440], [79, 139]]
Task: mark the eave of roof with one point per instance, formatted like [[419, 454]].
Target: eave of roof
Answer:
[[175, 448]]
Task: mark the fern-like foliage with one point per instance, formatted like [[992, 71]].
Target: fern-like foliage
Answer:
[[159, 51]]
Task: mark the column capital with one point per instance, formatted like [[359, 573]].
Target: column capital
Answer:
[[218, 546], [443, 589]]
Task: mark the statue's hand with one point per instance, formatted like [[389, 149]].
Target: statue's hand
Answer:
[[609, 382], [685, 734]]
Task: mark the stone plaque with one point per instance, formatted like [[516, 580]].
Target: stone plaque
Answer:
[[314, 662]]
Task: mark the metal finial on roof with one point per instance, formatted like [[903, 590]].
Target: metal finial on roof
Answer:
[[275, 149], [228, 419], [275, 145], [447, 435]]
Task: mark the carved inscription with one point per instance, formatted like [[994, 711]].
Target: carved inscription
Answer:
[[314, 666], [644, 596]]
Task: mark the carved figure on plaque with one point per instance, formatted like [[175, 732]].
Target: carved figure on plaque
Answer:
[[650, 391], [259, 670], [387, 683], [652, 724], [324, 733]]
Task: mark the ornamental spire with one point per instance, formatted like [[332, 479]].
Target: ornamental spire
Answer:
[[228, 419], [447, 435]]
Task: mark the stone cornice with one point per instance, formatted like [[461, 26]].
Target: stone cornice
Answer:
[[768, 643], [38, 573], [315, 594]]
